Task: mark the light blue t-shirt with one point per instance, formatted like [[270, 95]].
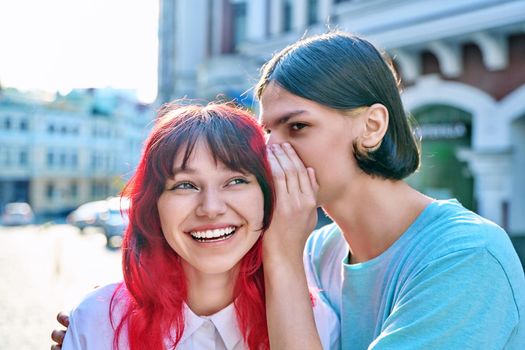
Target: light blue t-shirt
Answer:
[[452, 281]]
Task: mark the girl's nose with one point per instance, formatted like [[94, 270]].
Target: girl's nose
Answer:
[[211, 204]]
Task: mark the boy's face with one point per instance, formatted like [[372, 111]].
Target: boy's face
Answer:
[[321, 136]]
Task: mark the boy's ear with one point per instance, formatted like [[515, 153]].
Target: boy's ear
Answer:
[[375, 126]]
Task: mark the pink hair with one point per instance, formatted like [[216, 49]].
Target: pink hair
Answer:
[[153, 275]]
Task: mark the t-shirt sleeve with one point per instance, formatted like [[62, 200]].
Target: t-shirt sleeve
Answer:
[[459, 301], [327, 323], [323, 256], [312, 251], [326, 317]]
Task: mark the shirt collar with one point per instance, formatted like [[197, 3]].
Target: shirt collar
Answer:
[[225, 321], [192, 322]]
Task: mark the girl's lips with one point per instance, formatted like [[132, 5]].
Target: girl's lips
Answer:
[[211, 227], [213, 233], [214, 239]]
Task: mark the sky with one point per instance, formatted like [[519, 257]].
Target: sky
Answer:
[[58, 45]]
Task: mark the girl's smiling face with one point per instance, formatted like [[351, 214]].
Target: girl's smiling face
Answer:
[[210, 215]]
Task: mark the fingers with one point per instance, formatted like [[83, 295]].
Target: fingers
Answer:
[[296, 176], [58, 337], [313, 180], [295, 213], [63, 319], [300, 170], [279, 178], [288, 167]]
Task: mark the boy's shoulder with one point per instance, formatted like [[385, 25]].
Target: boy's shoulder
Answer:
[[451, 228]]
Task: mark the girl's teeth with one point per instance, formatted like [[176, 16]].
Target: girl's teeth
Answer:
[[218, 234]]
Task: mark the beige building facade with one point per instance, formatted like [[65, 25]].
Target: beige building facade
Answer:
[[73, 149], [461, 63]]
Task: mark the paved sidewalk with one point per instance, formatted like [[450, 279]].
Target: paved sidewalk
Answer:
[[45, 269]]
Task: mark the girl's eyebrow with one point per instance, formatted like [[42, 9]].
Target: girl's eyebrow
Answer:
[[188, 170], [185, 170]]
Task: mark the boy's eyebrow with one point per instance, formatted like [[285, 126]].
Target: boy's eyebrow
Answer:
[[286, 117]]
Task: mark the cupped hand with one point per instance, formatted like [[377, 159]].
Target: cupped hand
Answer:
[[58, 335], [295, 213]]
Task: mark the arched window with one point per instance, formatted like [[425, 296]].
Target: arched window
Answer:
[[445, 130]]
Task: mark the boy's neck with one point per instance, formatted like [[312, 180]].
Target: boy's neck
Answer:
[[375, 214]]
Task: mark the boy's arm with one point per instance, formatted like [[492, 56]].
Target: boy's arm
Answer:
[[290, 316]]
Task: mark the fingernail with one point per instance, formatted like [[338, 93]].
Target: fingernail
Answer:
[[275, 146], [287, 145]]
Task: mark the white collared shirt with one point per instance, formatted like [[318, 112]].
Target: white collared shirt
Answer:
[[219, 331], [90, 327]]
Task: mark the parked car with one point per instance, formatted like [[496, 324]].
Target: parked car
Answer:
[[115, 221], [17, 213], [88, 214]]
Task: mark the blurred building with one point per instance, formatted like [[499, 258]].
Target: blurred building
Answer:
[[461, 62], [56, 154]]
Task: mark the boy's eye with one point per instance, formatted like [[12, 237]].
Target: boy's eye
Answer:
[[297, 126]]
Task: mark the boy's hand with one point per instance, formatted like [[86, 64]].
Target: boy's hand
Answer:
[[58, 335], [295, 211]]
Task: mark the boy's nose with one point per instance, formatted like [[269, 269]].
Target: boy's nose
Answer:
[[274, 138]]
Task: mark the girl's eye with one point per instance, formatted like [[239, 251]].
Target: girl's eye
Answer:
[[238, 181], [184, 186], [297, 126]]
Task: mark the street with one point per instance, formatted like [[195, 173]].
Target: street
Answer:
[[43, 270], [46, 269]]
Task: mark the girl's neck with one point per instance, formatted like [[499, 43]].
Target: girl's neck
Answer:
[[374, 213], [209, 293]]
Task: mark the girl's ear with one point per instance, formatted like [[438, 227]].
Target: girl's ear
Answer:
[[375, 126]]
